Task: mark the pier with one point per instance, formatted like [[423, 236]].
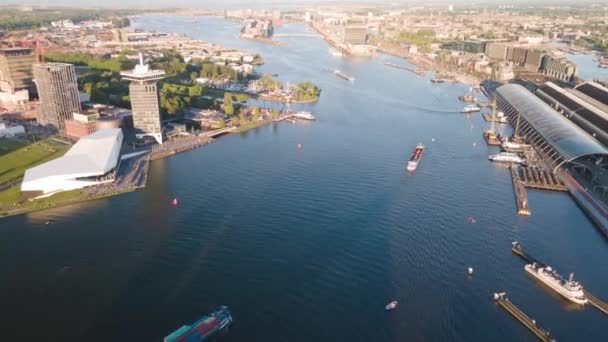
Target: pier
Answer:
[[521, 195], [539, 178], [505, 303], [417, 71], [593, 300]]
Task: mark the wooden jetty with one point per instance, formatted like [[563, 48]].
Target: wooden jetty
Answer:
[[505, 303], [593, 300], [521, 195], [539, 178]]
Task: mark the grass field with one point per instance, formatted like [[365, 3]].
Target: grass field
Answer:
[[16, 157]]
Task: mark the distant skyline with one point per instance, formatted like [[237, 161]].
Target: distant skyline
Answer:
[[230, 4]]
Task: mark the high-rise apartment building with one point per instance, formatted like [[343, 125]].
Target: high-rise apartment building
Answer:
[[144, 100], [16, 69], [58, 93]]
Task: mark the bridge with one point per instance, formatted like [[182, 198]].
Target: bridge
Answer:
[[296, 35], [218, 132]]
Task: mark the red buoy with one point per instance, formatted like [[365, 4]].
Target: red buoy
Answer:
[[299, 146], [175, 202]]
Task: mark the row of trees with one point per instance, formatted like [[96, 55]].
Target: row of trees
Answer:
[[18, 20], [422, 38], [92, 61]]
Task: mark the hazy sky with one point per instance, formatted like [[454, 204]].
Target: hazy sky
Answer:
[[214, 4]]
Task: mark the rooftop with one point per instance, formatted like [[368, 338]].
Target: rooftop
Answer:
[[569, 140], [92, 155]]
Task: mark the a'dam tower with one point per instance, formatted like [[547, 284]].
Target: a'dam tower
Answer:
[[143, 92]]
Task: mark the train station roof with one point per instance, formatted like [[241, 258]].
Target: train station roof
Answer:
[[569, 140]]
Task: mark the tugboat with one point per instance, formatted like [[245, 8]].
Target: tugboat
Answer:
[[203, 328], [390, 306], [570, 289], [412, 165]]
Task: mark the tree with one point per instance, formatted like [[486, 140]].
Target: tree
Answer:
[[255, 116], [275, 113]]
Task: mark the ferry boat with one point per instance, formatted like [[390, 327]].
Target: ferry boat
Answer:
[[570, 289], [506, 157], [470, 109], [203, 328], [343, 75], [412, 165], [304, 116]]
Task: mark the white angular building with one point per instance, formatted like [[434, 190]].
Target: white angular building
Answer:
[[92, 160]]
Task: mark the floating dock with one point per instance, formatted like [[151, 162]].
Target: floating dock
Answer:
[[521, 195], [593, 300], [503, 301]]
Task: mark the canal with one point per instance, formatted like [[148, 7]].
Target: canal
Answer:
[[308, 244]]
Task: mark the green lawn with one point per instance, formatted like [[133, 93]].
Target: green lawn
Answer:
[[20, 157]]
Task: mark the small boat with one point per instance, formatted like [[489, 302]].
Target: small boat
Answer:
[[390, 306], [412, 164], [506, 157], [470, 109], [203, 328]]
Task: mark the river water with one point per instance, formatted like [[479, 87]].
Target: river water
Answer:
[[310, 244]]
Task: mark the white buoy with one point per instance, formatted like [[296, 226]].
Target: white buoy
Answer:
[[470, 270], [433, 140]]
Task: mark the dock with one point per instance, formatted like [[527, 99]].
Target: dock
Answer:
[[505, 303], [539, 178], [521, 195], [593, 300]]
